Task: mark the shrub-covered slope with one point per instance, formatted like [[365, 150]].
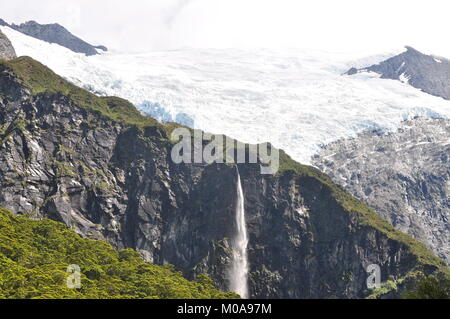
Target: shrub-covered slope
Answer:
[[34, 256]]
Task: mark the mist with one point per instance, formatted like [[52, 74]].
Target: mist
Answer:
[[138, 26]]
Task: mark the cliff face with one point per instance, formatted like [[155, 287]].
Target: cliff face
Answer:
[[305, 244], [403, 175], [6, 49], [106, 178]]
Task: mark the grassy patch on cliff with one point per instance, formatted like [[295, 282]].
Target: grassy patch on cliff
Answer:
[[34, 256], [366, 216], [40, 79]]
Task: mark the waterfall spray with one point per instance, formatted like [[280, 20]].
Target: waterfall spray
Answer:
[[239, 263]]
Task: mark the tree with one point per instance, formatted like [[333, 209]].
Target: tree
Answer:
[[430, 287]]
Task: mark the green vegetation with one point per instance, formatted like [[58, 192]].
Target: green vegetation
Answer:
[[34, 256], [41, 80], [386, 287]]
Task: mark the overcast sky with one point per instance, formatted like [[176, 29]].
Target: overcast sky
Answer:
[[138, 25]]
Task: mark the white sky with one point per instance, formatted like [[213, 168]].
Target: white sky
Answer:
[[335, 25]]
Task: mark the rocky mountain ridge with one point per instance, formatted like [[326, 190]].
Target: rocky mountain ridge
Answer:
[[100, 167], [403, 175], [55, 33], [428, 73], [6, 48], [35, 256]]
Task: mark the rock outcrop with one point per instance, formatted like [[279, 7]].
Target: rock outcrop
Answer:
[[74, 157], [428, 73], [404, 176], [55, 33], [6, 49]]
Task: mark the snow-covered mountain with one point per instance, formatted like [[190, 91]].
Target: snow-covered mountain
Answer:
[[295, 99], [55, 33], [428, 73]]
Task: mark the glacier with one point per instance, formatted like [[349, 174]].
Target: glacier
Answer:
[[296, 99]]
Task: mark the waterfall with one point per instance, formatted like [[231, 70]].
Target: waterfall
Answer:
[[239, 263]]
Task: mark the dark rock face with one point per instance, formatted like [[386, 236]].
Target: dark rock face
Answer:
[[404, 176], [55, 33], [428, 73], [6, 49], [113, 181], [301, 240]]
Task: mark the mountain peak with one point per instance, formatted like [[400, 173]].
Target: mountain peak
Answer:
[[55, 33], [411, 49], [425, 72]]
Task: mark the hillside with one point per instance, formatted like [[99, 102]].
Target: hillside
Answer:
[[106, 171], [34, 256]]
